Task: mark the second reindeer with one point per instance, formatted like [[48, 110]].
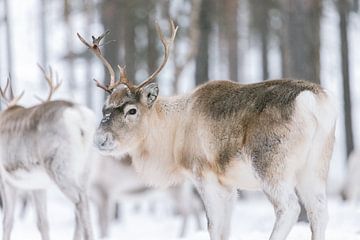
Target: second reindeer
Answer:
[[48, 143]]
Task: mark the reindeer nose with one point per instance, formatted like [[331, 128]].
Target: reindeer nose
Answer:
[[103, 140]]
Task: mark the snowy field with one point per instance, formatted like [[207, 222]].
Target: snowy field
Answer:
[[252, 220]]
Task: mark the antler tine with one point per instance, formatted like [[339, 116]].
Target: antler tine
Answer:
[[11, 100], [8, 81], [94, 47], [102, 86], [53, 86], [3, 91], [16, 99], [166, 44], [123, 77]]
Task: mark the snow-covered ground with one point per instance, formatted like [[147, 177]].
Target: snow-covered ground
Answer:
[[252, 220]]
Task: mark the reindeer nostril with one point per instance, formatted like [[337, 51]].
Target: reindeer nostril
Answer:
[[103, 140]]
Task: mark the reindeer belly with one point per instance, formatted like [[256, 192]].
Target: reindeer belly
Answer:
[[240, 174], [36, 178]]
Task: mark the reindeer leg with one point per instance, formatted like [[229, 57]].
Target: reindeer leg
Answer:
[[104, 213], [287, 209], [8, 194], [77, 195], [39, 197], [218, 201], [198, 220], [83, 222], [184, 225], [78, 228], [312, 191]]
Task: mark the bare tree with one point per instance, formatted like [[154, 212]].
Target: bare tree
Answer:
[[8, 38], [89, 12], [152, 53], [192, 34], [43, 33], [112, 13], [260, 21], [230, 15], [67, 8], [343, 9], [129, 37], [202, 58], [301, 39]]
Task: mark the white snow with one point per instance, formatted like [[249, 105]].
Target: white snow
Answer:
[[252, 220]]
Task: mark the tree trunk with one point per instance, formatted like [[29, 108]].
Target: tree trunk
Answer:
[[152, 53], [43, 35], [89, 12], [301, 37], [202, 57], [231, 22], [8, 41], [343, 9], [112, 13], [130, 48], [69, 45], [264, 38]]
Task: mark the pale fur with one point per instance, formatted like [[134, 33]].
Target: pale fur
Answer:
[[38, 153], [115, 180]]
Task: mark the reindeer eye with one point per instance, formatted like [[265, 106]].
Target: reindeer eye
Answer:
[[132, 111]]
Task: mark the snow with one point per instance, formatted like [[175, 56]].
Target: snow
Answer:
[[253, 218]]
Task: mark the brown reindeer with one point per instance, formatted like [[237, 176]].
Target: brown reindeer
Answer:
[[41, 145], [275, 136]]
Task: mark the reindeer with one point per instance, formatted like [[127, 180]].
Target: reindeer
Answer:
[[275, 136], [115, 179], [112, 179], [48, 143]]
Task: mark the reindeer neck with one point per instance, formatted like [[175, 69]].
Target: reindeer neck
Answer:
[[160, 146]]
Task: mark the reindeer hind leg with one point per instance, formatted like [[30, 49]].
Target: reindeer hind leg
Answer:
[[8, 194], [39, 197], [287, 209]]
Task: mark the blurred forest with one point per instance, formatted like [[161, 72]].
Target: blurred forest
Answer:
[[242, 40]]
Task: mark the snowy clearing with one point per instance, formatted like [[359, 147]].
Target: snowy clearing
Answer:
[[252, 220]]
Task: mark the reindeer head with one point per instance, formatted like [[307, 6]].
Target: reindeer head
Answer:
[[128, 106]]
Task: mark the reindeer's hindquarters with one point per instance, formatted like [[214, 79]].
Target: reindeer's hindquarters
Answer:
[[312, 178]]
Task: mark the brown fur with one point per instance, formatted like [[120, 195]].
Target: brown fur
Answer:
[[241, 119], [247, 118]]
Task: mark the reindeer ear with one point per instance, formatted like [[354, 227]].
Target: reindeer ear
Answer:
[[149, 93]]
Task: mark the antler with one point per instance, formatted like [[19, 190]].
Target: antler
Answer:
[[11, 100], [166, 44], [95, 48], [53, 85]]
